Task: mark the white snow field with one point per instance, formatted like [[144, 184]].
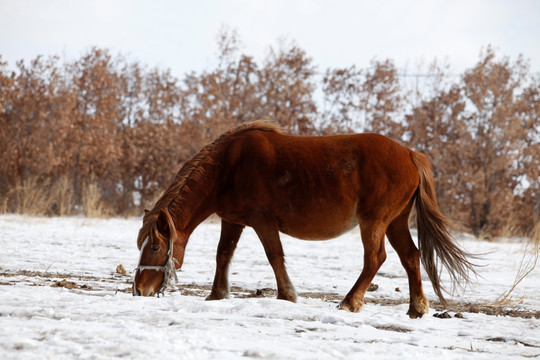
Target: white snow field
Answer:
[[61, 298]]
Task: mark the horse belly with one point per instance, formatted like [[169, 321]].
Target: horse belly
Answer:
[[315, 203], [317, 222]]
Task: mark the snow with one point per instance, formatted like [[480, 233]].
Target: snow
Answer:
[[98, 318]]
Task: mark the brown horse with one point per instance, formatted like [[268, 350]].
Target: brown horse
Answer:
[[312, 188]]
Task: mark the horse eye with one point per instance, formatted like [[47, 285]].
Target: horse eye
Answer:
[[154, 249]]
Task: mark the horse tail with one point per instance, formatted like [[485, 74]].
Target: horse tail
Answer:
[[434, 237]]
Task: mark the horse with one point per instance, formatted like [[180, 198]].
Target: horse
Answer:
[[311, 188]]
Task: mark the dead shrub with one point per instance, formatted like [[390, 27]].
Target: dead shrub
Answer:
[[30, 197], [63, 196], [92, 203], [512, 228], [531, 253], [535, 235], [4, 205]]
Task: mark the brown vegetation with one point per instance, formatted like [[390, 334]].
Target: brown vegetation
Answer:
[[104, 135]]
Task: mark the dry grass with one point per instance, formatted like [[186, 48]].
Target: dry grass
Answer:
[[44, 197], [485, 235], [30, 197], [512, 228], [4, 204], [64, 196], [535, 236], [528, 263], [92, 203], [37, 197]]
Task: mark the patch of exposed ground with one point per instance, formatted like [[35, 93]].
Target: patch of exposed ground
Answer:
[[119, 281]]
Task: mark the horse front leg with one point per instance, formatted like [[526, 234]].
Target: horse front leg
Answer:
[[230, 234], [268, 233]]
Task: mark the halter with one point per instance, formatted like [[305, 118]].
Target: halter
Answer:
[[169, 270]]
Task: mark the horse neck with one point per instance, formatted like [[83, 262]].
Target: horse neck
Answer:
[[189, 207], [193, 204]]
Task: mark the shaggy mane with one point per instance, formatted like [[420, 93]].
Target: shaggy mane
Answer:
[[171, 200]]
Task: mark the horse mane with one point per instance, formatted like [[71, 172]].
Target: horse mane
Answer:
[[171, 199]]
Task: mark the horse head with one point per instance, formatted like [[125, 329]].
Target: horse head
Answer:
[[157, 264]]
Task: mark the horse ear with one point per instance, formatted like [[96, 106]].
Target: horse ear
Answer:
[[146, 211], [162, 222]]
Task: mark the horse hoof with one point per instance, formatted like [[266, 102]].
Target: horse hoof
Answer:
[[418, 308], [413, 314], [214, 296], [288, 297], [416, 314], [347, 306]]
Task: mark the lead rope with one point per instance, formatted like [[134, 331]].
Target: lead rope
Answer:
[[169, 269]]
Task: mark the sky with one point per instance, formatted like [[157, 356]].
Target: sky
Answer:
[[181, 35]]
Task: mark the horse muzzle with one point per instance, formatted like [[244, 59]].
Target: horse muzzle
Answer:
[[138, 291]]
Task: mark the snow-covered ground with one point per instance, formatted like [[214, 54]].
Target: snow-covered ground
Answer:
[[61, 297]]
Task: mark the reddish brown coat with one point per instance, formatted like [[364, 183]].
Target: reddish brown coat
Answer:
[[312, 188]]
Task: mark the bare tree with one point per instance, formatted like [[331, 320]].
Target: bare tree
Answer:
[[125, 128]]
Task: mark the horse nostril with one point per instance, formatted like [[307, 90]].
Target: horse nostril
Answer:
[[138, 292]]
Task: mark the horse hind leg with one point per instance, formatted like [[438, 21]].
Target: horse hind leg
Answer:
[[374, 257], [230, 234], [400, 238]]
